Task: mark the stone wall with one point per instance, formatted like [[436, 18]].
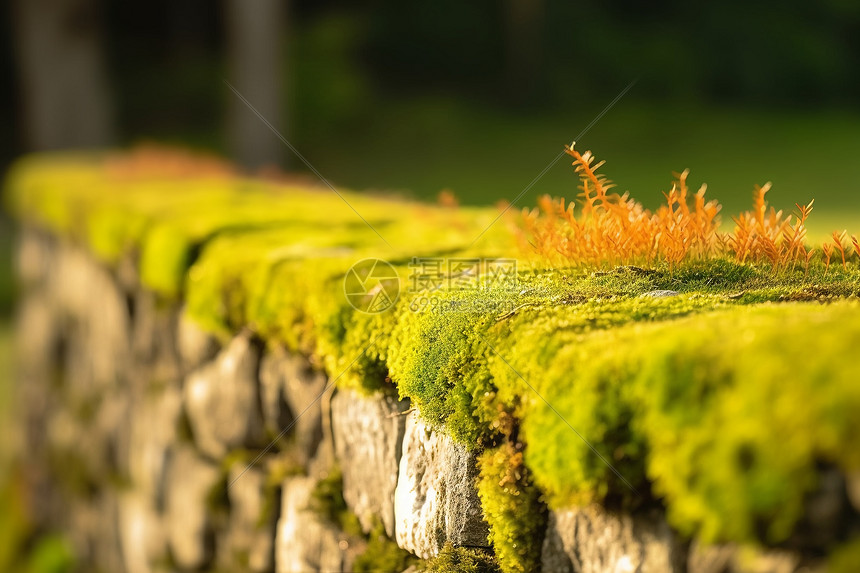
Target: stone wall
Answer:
[[157, 447]]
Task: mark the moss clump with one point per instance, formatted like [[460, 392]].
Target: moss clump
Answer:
[[716, 378], [844, 559], [461, 560], [382, 554], [512, 506], [729, 432], [327, 500]]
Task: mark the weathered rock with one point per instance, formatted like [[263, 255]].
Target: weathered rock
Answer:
[[250, 535], [84, 440], [594, 540], [826, 513], [141, 534], [291, 393], [435, 499], [188, 519], [852, 485], [368, 435], [92, 530], [37, 342], [222, 400], [34, 257], [153, 429], [196, 347], [659, 294], [97, 322], [305, 542], [728, 558], [153, 339]]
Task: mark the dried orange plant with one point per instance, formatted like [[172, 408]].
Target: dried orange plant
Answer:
[[613, 229]]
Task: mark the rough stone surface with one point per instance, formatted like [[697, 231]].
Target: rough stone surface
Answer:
[[593, 540], [34, 257], [852, 485], [435, 499], [304, 541], [188, 522], [222, 400], [153, 422], [91, 528], [733, 559], [141, 534], [194, 345], [97, 323], [108, 375], [291, 391], [250, 532], [153, 339], [368, 434], [659, 294]]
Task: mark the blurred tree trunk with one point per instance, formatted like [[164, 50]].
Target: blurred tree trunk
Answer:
[[255, 39], [64, 90], [524, 22]]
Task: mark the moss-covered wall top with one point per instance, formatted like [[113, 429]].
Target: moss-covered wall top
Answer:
[[716, 388]]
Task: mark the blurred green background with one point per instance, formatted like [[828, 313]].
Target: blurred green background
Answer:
[[416, 97]]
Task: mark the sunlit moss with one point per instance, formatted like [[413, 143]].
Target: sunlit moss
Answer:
[[382, 554], [719, 402], [513, 509], [461, 560]]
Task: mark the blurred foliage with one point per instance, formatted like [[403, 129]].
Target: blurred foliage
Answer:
[[735, 50], [7, 282], [382, 554], [52, 554]]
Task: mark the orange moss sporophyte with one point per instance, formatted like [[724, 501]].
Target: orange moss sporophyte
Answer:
[[606, 228]]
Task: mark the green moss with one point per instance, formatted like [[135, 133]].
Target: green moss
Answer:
[[728, 431], [719, 401], [461, 560], [382, 554], [844, 559], [51, 554], [327, 500], [513, 509]]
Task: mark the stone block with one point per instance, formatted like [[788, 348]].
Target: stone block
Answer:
[[34, 257], [291, 392], [435, 499], [195, 346], [141, 534], [153, 422], [154, 340], [222, 400], [305, 541], [368, 436], [730, 558], [593, 540], [250, 536], [188, 519], [94, 318]]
